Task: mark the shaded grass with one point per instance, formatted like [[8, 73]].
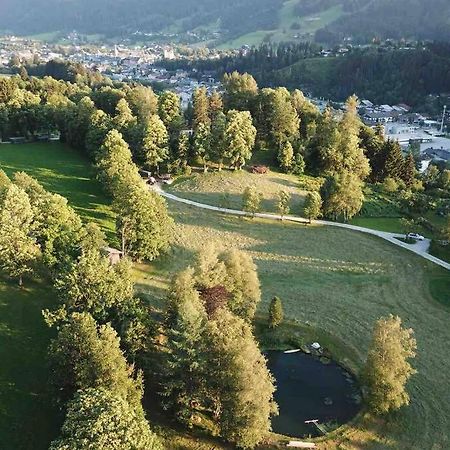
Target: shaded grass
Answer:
[[65, 171], [338, 283], [28, 420]]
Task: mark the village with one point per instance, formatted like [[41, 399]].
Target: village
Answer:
[[142, 63]]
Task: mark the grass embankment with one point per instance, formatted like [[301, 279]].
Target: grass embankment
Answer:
[[64, 171]]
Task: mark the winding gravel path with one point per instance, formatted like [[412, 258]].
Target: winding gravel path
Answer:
[[419, 248]]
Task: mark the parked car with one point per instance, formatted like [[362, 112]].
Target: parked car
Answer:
[[415, 236]]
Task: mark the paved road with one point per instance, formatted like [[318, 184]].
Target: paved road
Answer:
[[419, 248]]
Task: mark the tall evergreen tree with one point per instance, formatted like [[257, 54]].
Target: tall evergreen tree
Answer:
[[201, 109], [393, 160], [202, 144], [276, 314], [183, 369], [409, 170], [347, 155], [239, 382], [115, 164], [218, 143], [215, 105], [242, 282], [155, 145]]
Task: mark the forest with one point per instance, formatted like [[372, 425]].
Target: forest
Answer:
[[382, 75]]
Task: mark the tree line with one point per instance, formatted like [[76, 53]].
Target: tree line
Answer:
[[382, 75], [122, 127]]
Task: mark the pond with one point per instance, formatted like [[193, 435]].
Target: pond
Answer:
[[308, 389]]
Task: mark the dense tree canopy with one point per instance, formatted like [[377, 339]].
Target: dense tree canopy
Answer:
[[99, 418]]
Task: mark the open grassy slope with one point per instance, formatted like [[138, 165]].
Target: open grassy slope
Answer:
[[337, 281], [28, 420], [340, 282], [211, 188], [64, 171], [305, 27]]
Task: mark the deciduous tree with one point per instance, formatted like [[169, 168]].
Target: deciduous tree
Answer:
[[240, 137], [283, 205], [100, 418], [18, 247], [239, 382], [387, 368], [251, 200], [313, 205]]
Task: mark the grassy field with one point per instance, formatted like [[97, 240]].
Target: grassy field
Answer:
[[333, 282], [211, 189], [28, 421], [62, 170], [339, 282]]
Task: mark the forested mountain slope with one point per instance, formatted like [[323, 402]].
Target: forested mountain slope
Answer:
[[330, 20]]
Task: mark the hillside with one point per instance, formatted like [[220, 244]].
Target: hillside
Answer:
[[396, 19], [235, 22]]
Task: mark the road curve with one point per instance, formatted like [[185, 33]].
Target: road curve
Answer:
[[420, 248]]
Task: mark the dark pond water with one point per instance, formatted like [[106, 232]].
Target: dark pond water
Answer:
[[308, 389]]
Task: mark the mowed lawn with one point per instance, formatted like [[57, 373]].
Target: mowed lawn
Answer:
[[62, 170], [340, 282]]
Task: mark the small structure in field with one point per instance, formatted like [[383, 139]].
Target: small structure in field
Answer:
[[112, 254], [165, 178], [260, 170]]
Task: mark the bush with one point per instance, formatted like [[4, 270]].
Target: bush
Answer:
[[390, 185]]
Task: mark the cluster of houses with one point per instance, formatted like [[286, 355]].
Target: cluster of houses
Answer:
[[409, 128]]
